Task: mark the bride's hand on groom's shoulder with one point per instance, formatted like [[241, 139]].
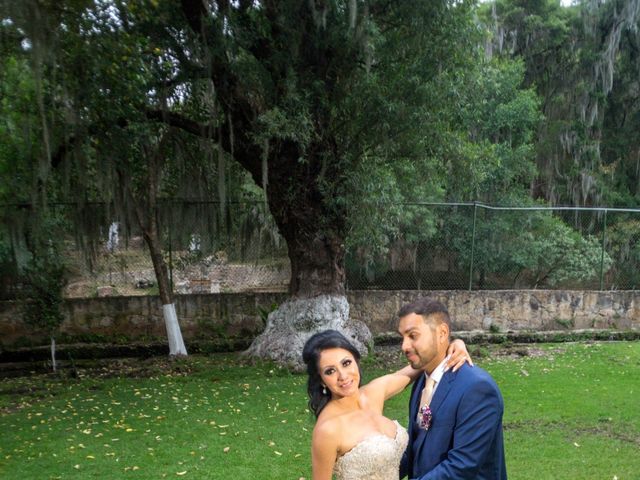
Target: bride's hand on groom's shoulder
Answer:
[[458, 355]]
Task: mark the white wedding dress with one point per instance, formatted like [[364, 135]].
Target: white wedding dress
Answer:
[[377, 457]]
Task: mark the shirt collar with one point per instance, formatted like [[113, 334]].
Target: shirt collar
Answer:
[[438, 371]]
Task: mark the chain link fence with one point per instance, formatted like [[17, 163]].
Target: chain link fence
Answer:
[[235, 247], [476, 246], [207, 249]]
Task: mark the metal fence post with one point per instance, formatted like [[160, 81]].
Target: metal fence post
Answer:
[[604, 236], [473, 244]]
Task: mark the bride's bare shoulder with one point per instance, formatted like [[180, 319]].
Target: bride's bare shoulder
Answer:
[[332, 422], [328, 428]]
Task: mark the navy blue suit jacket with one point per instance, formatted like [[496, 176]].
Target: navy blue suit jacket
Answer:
[[465, 437]]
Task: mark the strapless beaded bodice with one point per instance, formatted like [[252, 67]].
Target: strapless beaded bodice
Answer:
[[375, 458]]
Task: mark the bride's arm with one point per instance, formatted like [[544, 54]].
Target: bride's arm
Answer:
[[389, 385], [394, 383], [324, 448]]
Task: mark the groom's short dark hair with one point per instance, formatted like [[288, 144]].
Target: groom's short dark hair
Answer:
[[428, 308]]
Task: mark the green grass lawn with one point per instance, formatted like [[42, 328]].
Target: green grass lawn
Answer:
[[572, 411]]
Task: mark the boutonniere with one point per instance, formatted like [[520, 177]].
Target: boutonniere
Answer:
[[425, 417]]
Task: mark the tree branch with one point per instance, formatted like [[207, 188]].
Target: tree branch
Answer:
[[205, 130]]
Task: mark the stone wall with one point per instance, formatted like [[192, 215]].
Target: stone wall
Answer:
[[507, 310], [201, 316], [228, 315]]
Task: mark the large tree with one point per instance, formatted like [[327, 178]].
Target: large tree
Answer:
[[304, 91], [300, 93]]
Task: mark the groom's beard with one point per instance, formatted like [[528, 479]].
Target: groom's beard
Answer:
[[420, 359]]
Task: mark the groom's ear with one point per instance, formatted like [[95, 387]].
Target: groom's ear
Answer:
[[443, 331]]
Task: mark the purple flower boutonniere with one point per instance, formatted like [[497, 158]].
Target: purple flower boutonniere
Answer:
[[424, 417]]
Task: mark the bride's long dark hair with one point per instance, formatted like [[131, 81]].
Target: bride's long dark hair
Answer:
[[316, 344]]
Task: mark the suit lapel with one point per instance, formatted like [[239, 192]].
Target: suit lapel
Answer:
[[415, 434], [420, 435], [415, 400], [442, 391]]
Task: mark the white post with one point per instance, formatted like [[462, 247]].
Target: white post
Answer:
[[176, 344], [53, 353]]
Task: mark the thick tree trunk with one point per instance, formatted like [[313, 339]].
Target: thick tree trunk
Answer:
[[314, 228], [317, 259], [312, 223], [317, 289]]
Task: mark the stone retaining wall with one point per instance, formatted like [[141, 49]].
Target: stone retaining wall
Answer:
[[504, 310], [228, 315]]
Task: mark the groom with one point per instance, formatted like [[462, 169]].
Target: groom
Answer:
[[455, 419]]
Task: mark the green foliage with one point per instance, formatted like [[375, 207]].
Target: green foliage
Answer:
[[8, 267], [561, 254], [565, 323], [623, 245], [19, 130], [486, 130], [347, 117], [44, 280], [533, 249], [496, 163], [474, 141]]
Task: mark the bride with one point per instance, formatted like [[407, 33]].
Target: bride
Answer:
[[351, 438]]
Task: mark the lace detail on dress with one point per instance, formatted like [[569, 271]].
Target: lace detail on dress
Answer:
[[375, 458]]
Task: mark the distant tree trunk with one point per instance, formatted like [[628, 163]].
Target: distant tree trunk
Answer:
[[174, 335], [317, 262], [147, 215], [152, 239]]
